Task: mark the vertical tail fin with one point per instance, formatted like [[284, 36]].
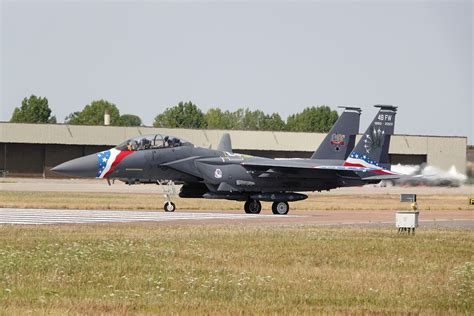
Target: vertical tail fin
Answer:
[[340, 140], [372, 148], [225, 143]]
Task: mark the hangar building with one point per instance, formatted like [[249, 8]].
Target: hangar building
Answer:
[[33, 149]]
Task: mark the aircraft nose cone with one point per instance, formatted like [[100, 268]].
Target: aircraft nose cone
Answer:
[[86, 166]]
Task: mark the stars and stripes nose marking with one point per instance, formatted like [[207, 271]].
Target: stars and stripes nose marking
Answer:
[[108, 159], [103, 157]]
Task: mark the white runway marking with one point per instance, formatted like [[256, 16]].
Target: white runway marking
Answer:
[[62, 216]]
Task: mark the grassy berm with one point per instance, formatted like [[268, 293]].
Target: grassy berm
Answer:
[[149, 268]]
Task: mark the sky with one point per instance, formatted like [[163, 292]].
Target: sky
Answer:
[[277, 56]]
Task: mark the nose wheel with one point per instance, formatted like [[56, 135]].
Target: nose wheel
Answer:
[[169, 206], [252, 207], [169, 190]]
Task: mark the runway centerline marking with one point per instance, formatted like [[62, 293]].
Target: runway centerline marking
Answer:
[[67, 216]]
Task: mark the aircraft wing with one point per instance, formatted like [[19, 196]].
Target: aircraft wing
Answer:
[[315, 171], [295, 166]]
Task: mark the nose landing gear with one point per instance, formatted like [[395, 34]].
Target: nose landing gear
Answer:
[[169, 206], [169, 190]]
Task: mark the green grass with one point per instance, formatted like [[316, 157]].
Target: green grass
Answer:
[[131, 201], [236, 269]]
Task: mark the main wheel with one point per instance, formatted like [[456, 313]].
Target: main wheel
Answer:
[[169, 207], [252, 207], [280, 208]]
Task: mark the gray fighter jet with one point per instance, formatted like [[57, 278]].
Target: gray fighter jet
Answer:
[[222, 174]]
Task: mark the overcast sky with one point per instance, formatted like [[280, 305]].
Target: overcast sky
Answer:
[[280, 57]]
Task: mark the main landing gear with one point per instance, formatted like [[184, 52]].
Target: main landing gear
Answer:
[[252, 207], [278, 208]]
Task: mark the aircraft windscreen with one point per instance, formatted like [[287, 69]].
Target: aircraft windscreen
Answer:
[[152, 142]]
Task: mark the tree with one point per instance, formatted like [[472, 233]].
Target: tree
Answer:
[[33, 110], [243, 119], [312, 119], [93, 114], [253, 120], [257, 120], [184, 115], [188, 115], [274, 122], [237, 119], [130, 120], [216, 119]]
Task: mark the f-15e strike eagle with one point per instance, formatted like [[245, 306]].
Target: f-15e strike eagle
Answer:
[[222, 174]]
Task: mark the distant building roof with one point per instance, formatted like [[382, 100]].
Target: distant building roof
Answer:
[[246, 140]]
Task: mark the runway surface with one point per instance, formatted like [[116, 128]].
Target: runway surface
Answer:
[[62, 216], [19, 216]]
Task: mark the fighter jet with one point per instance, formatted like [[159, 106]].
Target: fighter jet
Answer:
[[222, 174]]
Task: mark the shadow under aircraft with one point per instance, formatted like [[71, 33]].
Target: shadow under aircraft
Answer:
[[223, 174]]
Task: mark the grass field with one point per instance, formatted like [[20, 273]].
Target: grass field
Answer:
[[74, 200], [147, 268]]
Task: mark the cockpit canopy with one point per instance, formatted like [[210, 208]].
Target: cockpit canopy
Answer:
[[152, 142]]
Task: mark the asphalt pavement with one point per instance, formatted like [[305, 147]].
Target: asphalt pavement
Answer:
[[19, 216]]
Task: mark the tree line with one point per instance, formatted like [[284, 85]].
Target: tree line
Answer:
[[183, 115]]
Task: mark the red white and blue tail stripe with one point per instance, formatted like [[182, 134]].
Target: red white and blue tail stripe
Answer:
[[363, 161], [108, 159]]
